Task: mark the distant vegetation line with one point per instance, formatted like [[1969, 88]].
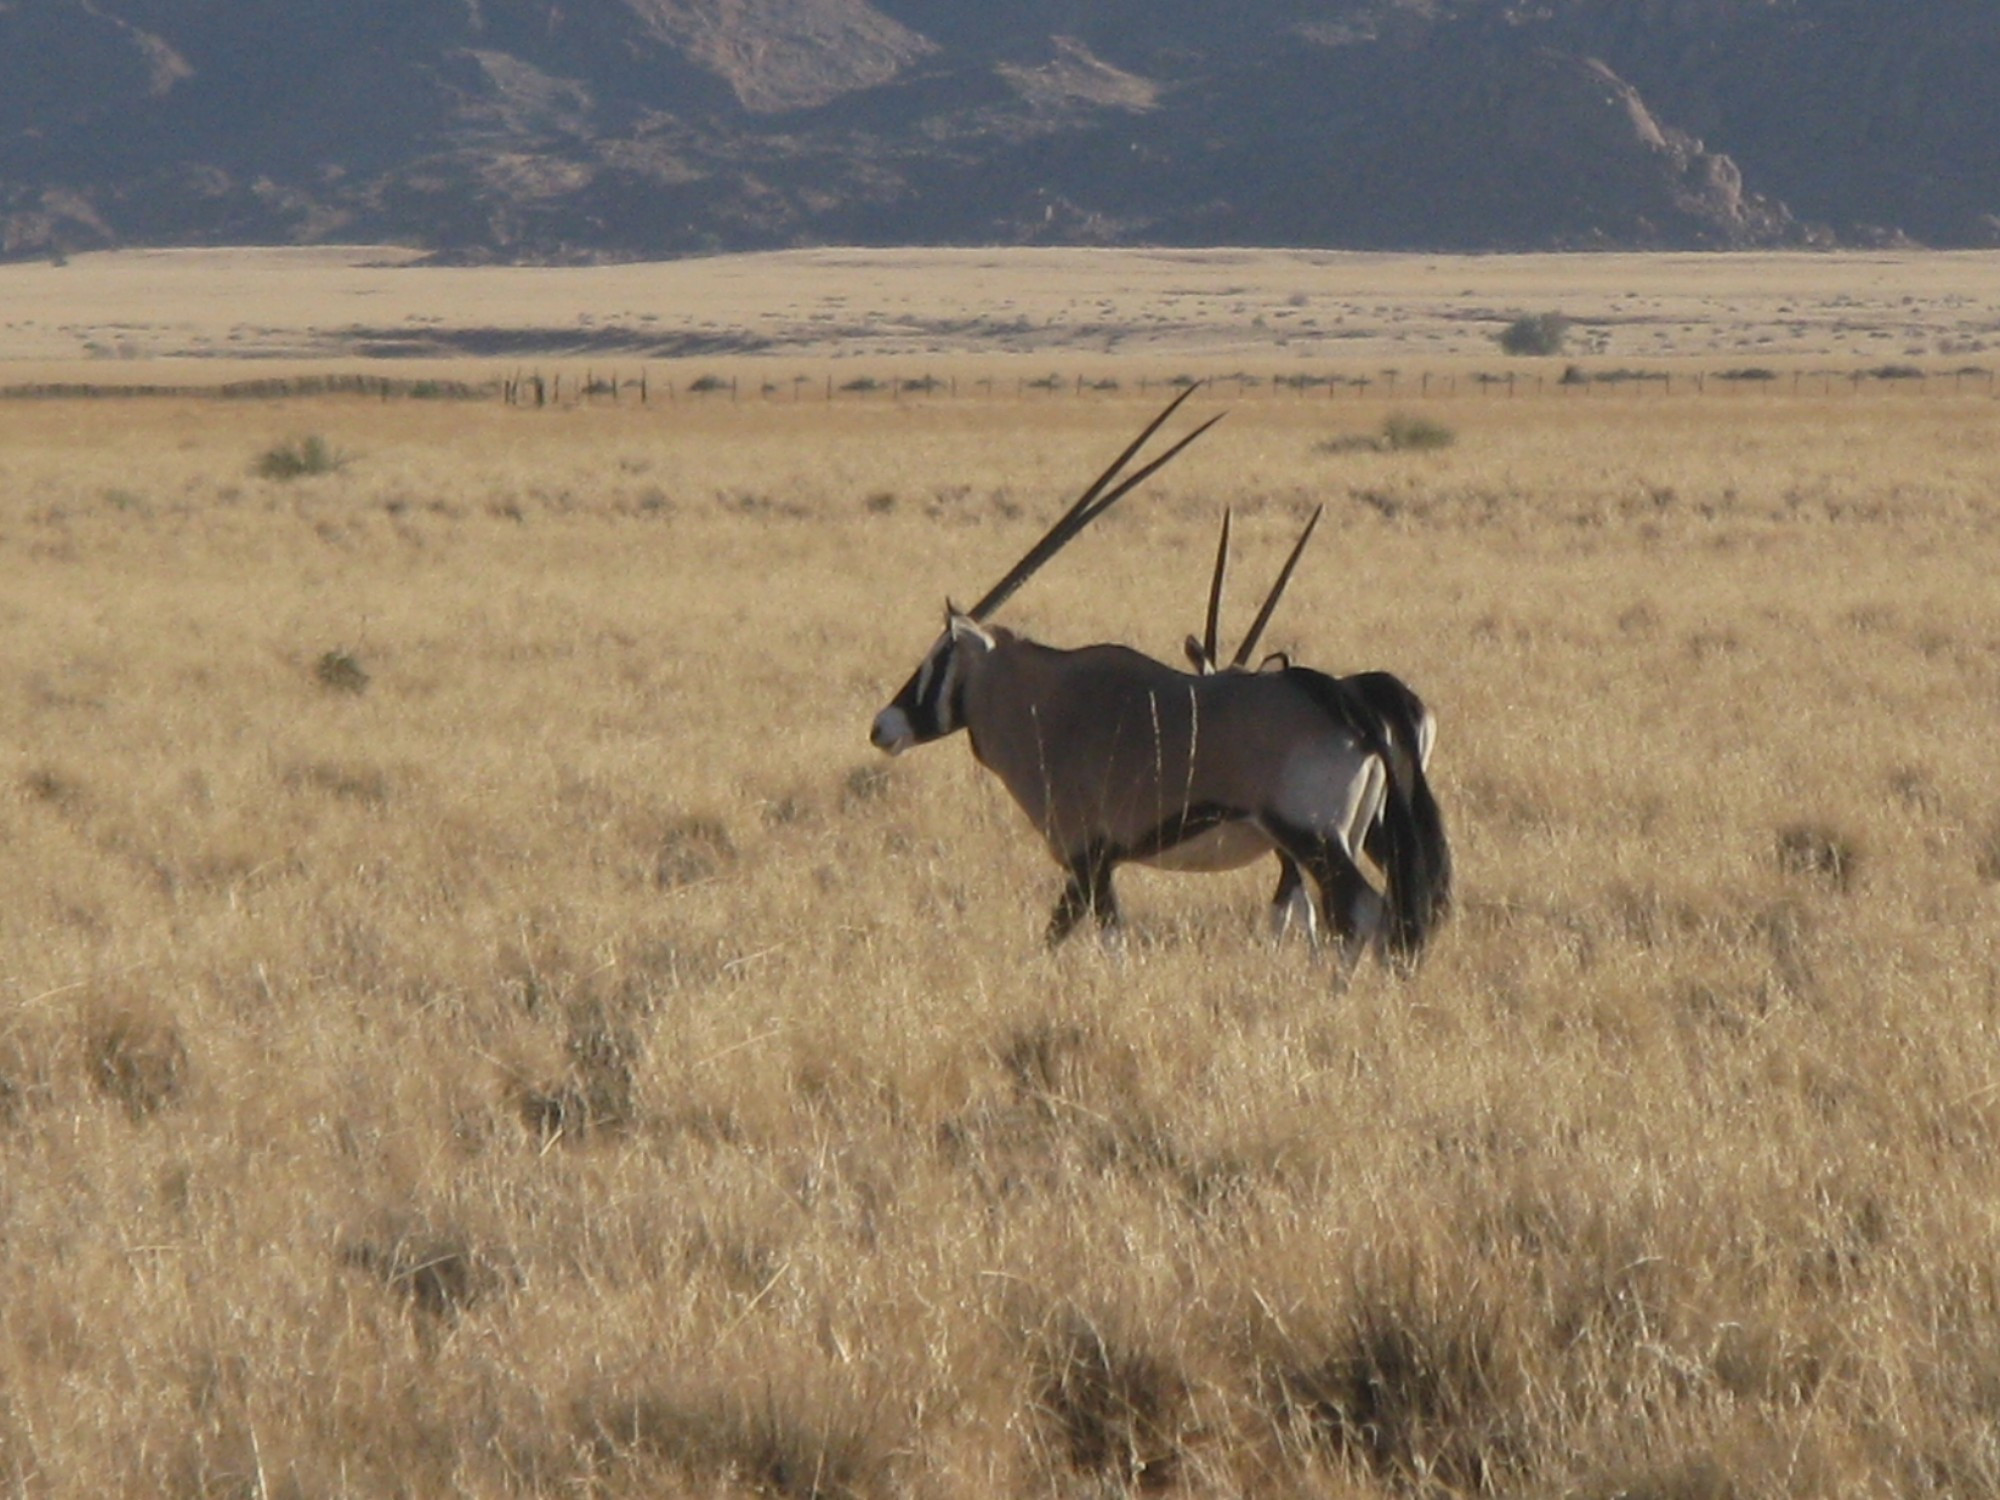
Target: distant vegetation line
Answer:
[[537, 390], [260, 390]]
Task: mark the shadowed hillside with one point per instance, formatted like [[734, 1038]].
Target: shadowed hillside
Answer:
[[525, 129]]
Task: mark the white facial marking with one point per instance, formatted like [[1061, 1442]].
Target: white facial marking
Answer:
[[946, 688], [892, 732]]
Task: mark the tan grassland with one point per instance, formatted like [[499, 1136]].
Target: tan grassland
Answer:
[[477, 1018]]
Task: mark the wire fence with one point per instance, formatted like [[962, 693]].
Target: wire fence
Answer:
[[537, 390], [648, 387]]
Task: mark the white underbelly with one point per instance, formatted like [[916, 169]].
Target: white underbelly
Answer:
[[1227, 847]]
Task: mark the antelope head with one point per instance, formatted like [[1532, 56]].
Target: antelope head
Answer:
[[926, 707]]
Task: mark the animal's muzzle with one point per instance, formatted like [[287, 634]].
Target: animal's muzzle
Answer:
[[892, 733]]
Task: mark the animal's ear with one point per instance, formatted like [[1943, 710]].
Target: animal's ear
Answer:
[[962, 627]]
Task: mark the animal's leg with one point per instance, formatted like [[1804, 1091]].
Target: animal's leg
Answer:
[[1350, 905], [1291, 904], [1087, 893]]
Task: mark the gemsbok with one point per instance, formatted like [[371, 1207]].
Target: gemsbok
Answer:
[[1117, 758], [1408, 726]]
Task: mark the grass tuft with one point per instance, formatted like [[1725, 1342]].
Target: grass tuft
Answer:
[[1114, 1408], [1415, 1383], [863, 786], [440, 1273], [1816, 852], [693, 849], [340, 671], [300, 458], [805, 1443], [1400, 432], [1044, 1058], [137, 1059], [1986, 855], [54, 788]]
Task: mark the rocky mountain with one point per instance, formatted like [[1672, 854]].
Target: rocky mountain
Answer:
[[569, 129]]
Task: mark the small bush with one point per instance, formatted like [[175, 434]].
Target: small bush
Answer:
[[340, 671], [298, 457], [1536, 333], [1402, 433]]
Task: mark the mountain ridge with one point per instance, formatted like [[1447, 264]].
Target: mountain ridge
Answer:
[[535, 130]]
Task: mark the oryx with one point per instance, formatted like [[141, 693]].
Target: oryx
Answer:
[[1407, 725], [1116, 757]]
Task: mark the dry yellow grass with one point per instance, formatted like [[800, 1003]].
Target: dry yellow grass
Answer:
[[476, 1018]]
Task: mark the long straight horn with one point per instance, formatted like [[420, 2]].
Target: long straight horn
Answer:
[[1209, 645], [1088, 507], [1277, 592]]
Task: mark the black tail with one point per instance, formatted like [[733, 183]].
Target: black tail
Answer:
[[1408, 842]]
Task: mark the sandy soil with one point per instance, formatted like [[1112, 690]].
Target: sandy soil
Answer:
[[1270, 310]]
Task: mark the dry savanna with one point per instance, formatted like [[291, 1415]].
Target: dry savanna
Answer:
[[476, 1016]]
